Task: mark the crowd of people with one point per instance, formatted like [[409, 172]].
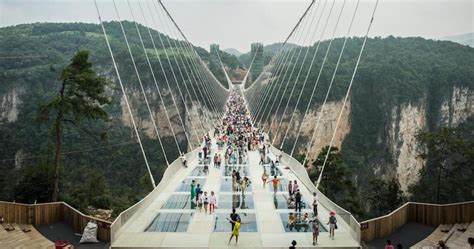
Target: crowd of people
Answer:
[[235, 138]]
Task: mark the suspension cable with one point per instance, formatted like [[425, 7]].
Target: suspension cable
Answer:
[[347, 93], [125, 96]]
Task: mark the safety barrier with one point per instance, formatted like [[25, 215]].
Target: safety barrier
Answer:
[[126, 215], [300, 171]]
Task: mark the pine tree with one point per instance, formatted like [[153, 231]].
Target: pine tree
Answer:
[[81, 96]]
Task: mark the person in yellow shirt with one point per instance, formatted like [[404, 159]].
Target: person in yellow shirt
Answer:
[[236, 230]]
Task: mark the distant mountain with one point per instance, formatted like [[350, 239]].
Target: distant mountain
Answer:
[[464, 39], [233, 51], [268, 52]]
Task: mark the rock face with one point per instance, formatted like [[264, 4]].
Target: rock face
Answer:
[[409, 119], [10, 102]]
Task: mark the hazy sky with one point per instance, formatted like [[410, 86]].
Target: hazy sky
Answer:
[[237, 23]]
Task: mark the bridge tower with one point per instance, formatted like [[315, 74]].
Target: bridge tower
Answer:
[[214, 56]]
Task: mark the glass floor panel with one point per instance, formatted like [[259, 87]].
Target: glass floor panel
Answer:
[[281, 202], [185, 185], [177, 201], [302, 228], [243, 170], [282, 186], [229, 201], [223, 225], [273, 171], [198, 171], [170, 222], [226, 186]]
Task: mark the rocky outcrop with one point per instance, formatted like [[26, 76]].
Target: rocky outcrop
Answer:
[[9, 104]]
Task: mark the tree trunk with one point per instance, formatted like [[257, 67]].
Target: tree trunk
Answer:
[[57, 157], [58, 145]]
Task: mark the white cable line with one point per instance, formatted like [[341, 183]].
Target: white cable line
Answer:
[[167, 81], [125, 96], [306, 77], [317, 80], [262, 95], [154, 77], [184, 81], [275, 117], [143, 90], [347, 94], [229, 82], [318, 121], [268, 115]]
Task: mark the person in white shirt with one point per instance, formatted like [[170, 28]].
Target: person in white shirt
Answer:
[[212, 202], [315, 204], [205, 201]]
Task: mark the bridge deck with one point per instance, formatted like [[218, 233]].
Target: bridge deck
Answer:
[[266, 228]]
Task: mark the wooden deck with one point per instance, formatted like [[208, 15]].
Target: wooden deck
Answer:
[[19, 239]]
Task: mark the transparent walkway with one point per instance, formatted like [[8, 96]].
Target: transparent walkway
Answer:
[[168, 217]]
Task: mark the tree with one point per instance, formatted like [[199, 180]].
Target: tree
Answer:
[[447, 176], [384, 196], [337, 180], [81, 96]]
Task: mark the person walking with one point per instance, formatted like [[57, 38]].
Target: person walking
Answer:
[[193, 190], [197, 190], [293, 244], [298, 201], [332, 223], [290, 188], [205, 201], [389, 245], [295, 186], [212, 202], [275, 183], [315, 204], [233, 216], [315, 228], [235, 230], [264, 177]]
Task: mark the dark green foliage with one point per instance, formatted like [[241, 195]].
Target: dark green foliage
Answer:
[[337, 181], [384, 196], [449, 172]]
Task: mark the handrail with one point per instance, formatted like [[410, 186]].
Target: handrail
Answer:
[[51, 212]]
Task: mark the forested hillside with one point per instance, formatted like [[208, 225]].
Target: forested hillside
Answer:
[[105, 173]]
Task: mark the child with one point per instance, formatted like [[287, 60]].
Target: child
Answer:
[[199, 201], [212, 202], [236, 230], [205, 201]]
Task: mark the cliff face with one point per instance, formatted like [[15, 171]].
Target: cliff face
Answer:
[[9, 104]]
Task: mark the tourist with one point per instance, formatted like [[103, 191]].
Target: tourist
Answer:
[[293, 244], [193, 190], [441, 245], [233, 216], [399, 246], [275, 183], [332, 223], [290, 188], [295, 186], [183, 160], [199, 201], [219, 160], [298, 201], [205, 201], [315, 204], [291, 220], [212, 202], [235, 230], [264, 177], [215, 160], [470, 241], [389, 245], [198, 190], [315, 228], [205, 150]]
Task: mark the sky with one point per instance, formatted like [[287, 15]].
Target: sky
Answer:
[[238, 23]]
